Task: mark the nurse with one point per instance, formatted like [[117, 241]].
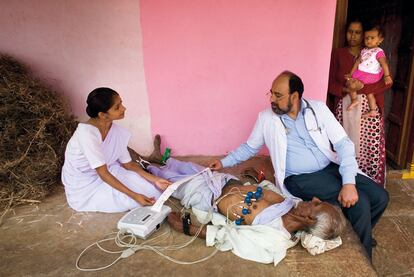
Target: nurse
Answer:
[[98, 172]]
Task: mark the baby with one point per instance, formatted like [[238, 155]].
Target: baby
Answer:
[[369, 68]]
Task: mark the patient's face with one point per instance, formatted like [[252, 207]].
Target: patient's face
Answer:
[[312, 208]]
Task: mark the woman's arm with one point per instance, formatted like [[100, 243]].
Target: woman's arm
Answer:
[[354, 67], [375, 88], [335, 87], [159, 182], [111, 180]]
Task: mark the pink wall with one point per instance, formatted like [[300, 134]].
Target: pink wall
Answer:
[[78, 45], [208, 64]]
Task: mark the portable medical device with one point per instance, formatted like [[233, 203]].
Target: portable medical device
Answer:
[[143, 221]]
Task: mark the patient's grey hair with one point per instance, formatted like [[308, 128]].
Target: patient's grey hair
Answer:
[[328, 226]]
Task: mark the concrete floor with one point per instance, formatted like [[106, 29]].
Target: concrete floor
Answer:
[[46, 239]]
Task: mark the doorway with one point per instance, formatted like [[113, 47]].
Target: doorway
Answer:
[[398, 22]]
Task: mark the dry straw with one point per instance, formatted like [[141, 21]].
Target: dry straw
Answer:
[[34, 129]]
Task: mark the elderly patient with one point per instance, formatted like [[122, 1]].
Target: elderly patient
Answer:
[[315, 217], [259, 214]]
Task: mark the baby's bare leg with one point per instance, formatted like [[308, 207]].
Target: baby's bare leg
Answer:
[[354, 100], [372, 106], [353, 85]]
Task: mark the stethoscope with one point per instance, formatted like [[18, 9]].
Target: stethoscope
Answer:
[[308, 106]]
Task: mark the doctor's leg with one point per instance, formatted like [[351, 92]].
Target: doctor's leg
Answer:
[[378, 197], [360, 217], [324, 184]]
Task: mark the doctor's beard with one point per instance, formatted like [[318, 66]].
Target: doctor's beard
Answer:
[[277, 110]]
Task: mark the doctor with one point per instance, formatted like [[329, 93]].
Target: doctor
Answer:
[[299, 134]]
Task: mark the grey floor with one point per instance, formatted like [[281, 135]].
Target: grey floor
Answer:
[[45, 239]]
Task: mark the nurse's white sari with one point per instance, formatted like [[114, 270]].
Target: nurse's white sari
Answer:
[[85, 190]]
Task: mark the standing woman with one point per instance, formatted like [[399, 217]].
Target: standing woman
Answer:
[[98, 173], [371, 145]]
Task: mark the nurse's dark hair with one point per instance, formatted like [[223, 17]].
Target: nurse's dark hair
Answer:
[[295, 82], [100, 100]]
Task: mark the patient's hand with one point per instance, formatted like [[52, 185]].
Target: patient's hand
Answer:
[[216, 165]]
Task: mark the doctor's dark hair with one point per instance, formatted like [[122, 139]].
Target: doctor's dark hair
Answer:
[[100, 100], [295, 83]]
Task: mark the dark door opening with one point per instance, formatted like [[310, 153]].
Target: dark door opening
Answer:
[[397, 18]]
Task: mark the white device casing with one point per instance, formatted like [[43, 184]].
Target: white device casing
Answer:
[[143, 221]]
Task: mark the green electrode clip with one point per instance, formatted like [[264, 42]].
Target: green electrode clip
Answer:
[[166, 155]]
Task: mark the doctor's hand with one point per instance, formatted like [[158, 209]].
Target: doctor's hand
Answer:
[[348, 196], [162, 184], [215, 165], [143, 200]]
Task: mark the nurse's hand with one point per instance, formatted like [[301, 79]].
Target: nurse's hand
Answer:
[[348, 196], [143, 200], [215, 165], [162, 184]]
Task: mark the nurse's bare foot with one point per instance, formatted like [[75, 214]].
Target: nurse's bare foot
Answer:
[[176, 222]]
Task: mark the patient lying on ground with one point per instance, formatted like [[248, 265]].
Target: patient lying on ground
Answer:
[[260, 228], [247, 205], [316, 217]]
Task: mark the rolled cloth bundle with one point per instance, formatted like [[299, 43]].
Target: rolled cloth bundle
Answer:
[[34, 129]]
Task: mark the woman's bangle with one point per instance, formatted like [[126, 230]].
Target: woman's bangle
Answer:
[[385, 76]]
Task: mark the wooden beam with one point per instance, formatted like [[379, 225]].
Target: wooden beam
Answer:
[[340, 22]]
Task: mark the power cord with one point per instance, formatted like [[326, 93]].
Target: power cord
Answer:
[[132, 245], [125, 239]]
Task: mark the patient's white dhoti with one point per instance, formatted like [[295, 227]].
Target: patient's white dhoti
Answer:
[[259, 243]]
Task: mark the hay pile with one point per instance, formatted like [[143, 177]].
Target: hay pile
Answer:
[[34, 129]]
